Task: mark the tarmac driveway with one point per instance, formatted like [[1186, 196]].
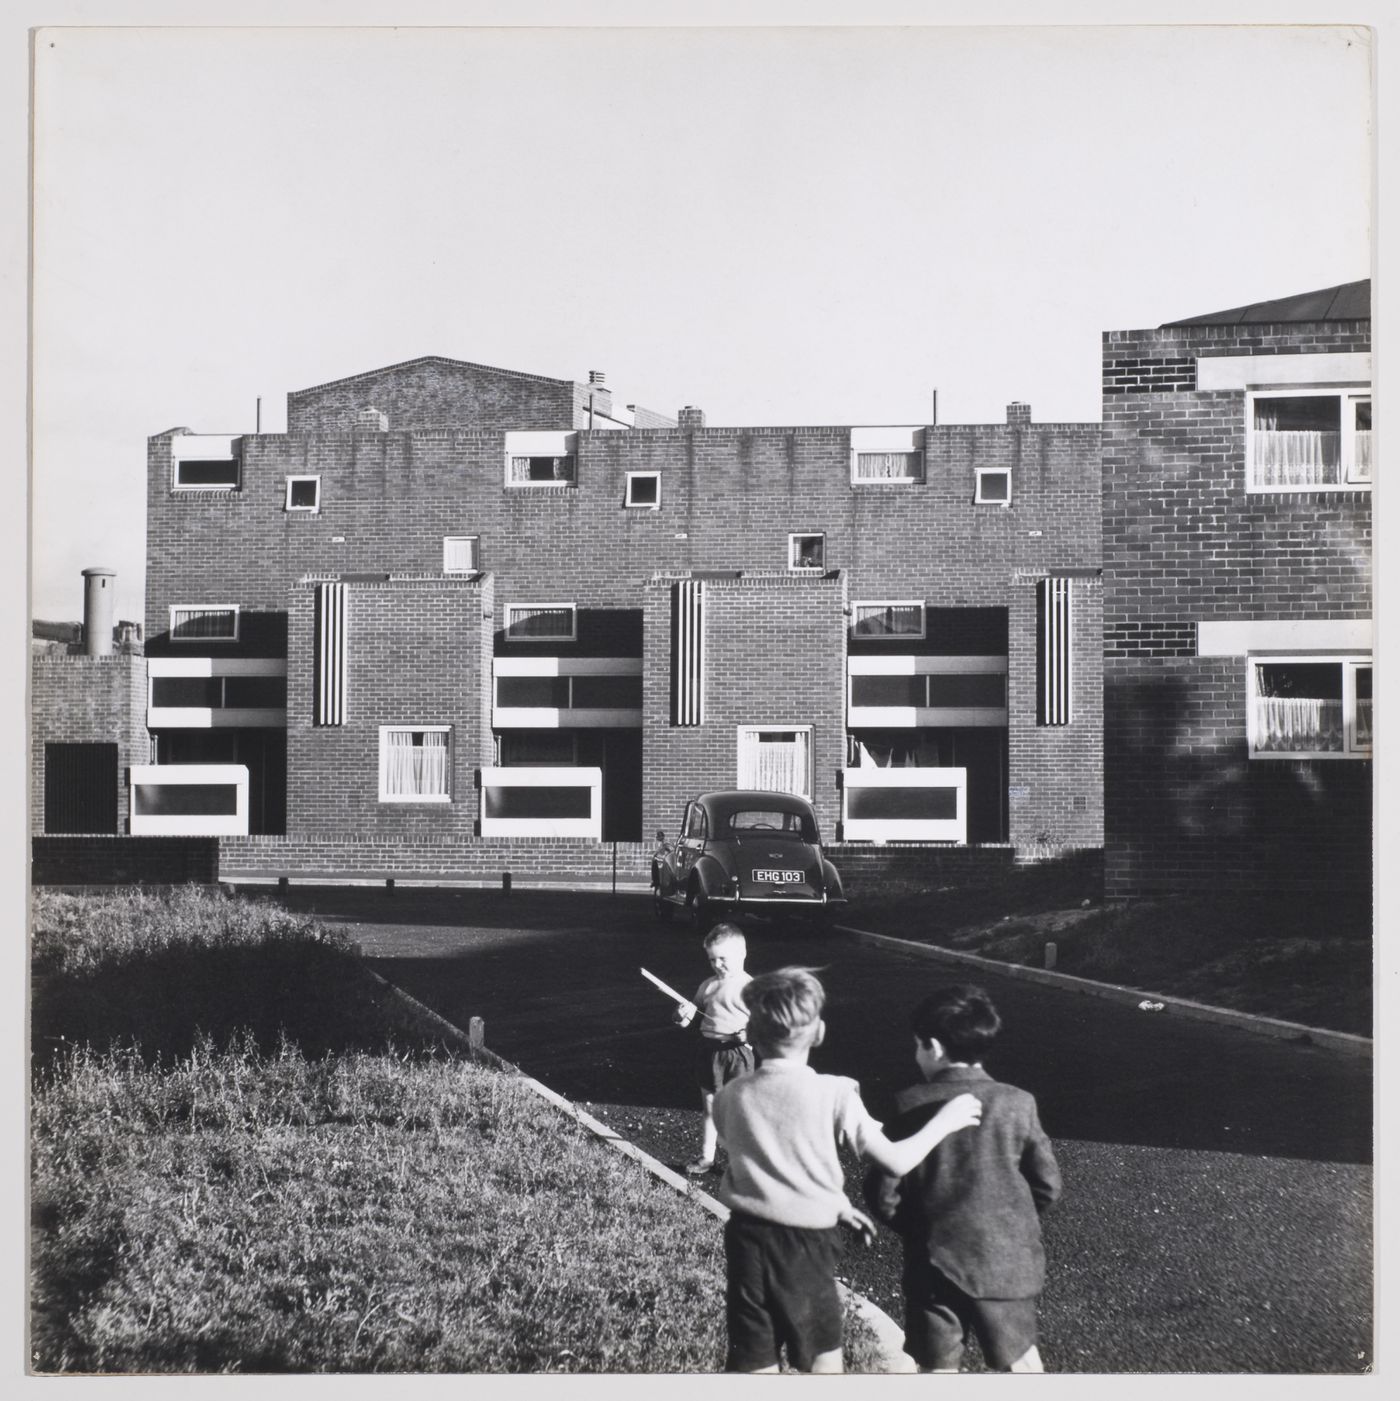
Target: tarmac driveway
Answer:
[[1217, 1183]]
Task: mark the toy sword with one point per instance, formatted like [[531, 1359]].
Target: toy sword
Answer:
[[686, 1008]]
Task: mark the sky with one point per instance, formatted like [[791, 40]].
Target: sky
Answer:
[[777, 225]]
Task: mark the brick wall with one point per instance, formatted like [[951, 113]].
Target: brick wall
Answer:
[[436, 393], [124, 860], [87, 700], [1185, 543], [774, 656], [414, 656]]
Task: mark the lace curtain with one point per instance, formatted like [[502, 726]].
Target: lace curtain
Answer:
[[415, 769], [775, 761], [889, 466], [1297, 458], [1290, 725]]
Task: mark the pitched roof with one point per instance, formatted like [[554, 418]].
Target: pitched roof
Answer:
[[1351, 301]]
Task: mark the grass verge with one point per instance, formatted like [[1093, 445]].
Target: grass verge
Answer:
[[1300, 957], [315, 1185]]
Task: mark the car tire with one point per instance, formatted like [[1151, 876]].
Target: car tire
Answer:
[[698, 908]]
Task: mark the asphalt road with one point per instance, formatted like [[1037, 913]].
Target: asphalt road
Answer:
[[1217, 1209]]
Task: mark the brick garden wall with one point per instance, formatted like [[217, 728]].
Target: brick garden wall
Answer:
[[1184, 542], [120, 860], [87, 700]]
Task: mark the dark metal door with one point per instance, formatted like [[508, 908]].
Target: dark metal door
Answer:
[[80, 788]]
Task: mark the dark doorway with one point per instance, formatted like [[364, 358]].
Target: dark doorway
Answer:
[[80, 788]]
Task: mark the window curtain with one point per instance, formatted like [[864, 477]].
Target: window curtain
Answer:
[[887, 466], [1363, 722], [195, 622], [775, 761], [415, 763], [1296, 458], [892, 620], [1293, 724], [539, 622]]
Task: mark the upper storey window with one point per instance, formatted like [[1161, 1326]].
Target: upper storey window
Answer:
[[541, 459], [887, 456], [1309, 439], [204, 462]]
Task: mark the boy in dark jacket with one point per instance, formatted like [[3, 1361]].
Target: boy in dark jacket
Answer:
[[970, 1212]]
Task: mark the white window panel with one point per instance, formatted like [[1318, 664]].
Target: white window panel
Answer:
[[205, 462], [461, 554], [993, 486], [643, 491], [1315, 439], [537, 459], [542, 802], [807, 553], [415, 763], [775, 759], [1309, 706], [541, 622], [204, 622], [882, 620], [303, 494], [189, 800], [928, 805], [888, 456]]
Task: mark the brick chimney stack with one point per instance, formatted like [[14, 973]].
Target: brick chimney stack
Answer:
[[1018, 415], [690, 417]]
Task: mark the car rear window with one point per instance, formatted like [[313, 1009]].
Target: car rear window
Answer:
[[769, 821]]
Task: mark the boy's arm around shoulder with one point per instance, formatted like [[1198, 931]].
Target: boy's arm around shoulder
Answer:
[[898, 1157], [1038, 1165]]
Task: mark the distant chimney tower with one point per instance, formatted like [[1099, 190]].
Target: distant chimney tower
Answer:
[[99, 593], [597, 377]]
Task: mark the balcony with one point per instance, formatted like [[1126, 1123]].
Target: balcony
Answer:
[[189, 800], [918, 805], [542, 802], [216, 693], [921, 692], [566, 693]]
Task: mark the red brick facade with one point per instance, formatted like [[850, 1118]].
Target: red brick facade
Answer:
[[1185, 543]]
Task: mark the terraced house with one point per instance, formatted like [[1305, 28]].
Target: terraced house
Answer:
[[1237, 474], [457, 614]]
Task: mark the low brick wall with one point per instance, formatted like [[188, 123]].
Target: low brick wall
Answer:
[[120, 860], [863, 866], [480, 858]]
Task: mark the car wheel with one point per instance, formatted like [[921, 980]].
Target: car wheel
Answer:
[[698, 908]]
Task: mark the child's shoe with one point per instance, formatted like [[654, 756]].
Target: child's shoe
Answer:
[[699, 1167]]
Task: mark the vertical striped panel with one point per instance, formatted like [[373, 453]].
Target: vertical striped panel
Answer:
[[688, 652], [1053, 652], [330, 654]]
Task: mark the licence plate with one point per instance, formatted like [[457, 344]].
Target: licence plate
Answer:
[[777, 877]]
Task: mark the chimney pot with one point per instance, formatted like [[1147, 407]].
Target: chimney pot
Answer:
[[597, 377]]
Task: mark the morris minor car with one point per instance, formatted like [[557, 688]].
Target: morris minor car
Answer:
[[745, 853]]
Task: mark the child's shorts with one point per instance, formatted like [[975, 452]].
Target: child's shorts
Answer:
[[938, 1318], [721, 1060], [781, 1289]]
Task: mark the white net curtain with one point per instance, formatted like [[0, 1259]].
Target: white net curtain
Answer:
[[1296, 724], [415, 763], [776, 761], [889, 466], [1297, 457]]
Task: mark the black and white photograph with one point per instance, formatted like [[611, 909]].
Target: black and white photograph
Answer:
[[699, 693]]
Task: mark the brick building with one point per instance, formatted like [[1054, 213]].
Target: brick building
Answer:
[[455, 610], [1237, 474]]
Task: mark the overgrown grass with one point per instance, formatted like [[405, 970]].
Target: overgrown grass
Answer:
[[296, 1196]]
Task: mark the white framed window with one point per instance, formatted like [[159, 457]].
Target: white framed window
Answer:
[[643, 491], [461, 554], [541, 622], [993, 486], [535, 459], [204, 462], [415, 763], [886, 621], [204, 622], [775, 758], [807, 553], [303, 494], [1310, 439], [1309, 707], [887, 456]]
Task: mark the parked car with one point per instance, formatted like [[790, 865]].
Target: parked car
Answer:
[[745, 853]]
